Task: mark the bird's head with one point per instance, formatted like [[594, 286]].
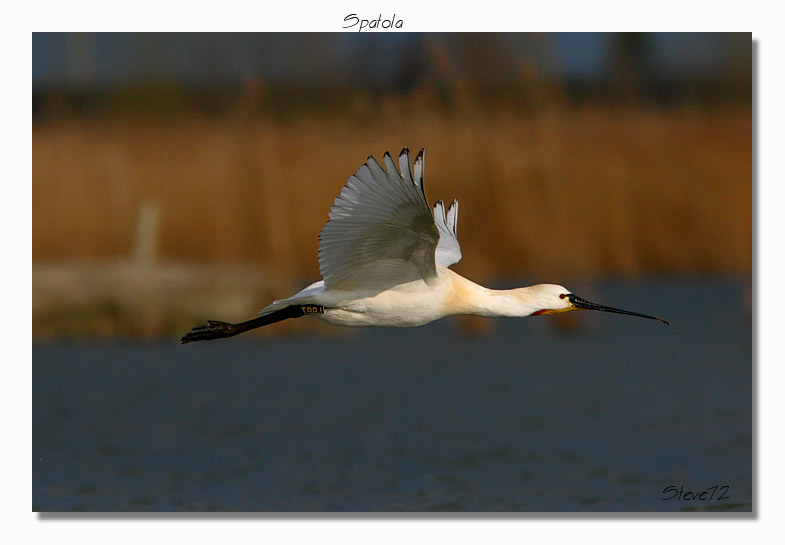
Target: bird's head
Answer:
[[553, 299]]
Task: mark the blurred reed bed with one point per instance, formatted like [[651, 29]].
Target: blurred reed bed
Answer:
[[583, 192], [555, 195]]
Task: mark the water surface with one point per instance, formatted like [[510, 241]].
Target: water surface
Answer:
[[529, 417]]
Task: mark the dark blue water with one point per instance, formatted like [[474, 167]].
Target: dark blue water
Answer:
[[529, 417]]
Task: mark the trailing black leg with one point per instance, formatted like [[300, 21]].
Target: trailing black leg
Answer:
[[214, 329]]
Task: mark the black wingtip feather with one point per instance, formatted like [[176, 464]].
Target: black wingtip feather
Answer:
[[420, 181], [453, 204]]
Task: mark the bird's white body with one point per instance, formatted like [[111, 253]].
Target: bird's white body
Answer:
[[419, 302]]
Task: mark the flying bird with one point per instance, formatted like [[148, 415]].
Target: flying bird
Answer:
[[384, 256]]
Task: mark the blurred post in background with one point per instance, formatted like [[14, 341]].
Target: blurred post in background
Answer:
[[178, 177]]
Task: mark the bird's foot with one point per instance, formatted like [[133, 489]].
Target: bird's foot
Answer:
[[212, 329]]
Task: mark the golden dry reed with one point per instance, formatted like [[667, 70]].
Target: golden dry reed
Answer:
[[551, 195]]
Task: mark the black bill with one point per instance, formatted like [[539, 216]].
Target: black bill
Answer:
[[583, 303]]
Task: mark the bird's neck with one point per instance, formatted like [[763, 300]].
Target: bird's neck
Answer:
[[466, 297]]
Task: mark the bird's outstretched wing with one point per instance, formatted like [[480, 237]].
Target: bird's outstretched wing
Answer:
[[381, 231]]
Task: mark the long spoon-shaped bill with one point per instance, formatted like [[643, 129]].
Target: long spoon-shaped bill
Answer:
[[583, 303]]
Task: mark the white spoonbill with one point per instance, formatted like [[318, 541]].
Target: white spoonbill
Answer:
[[384, 258]]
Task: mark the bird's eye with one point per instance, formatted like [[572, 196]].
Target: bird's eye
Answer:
[[562, 296]]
